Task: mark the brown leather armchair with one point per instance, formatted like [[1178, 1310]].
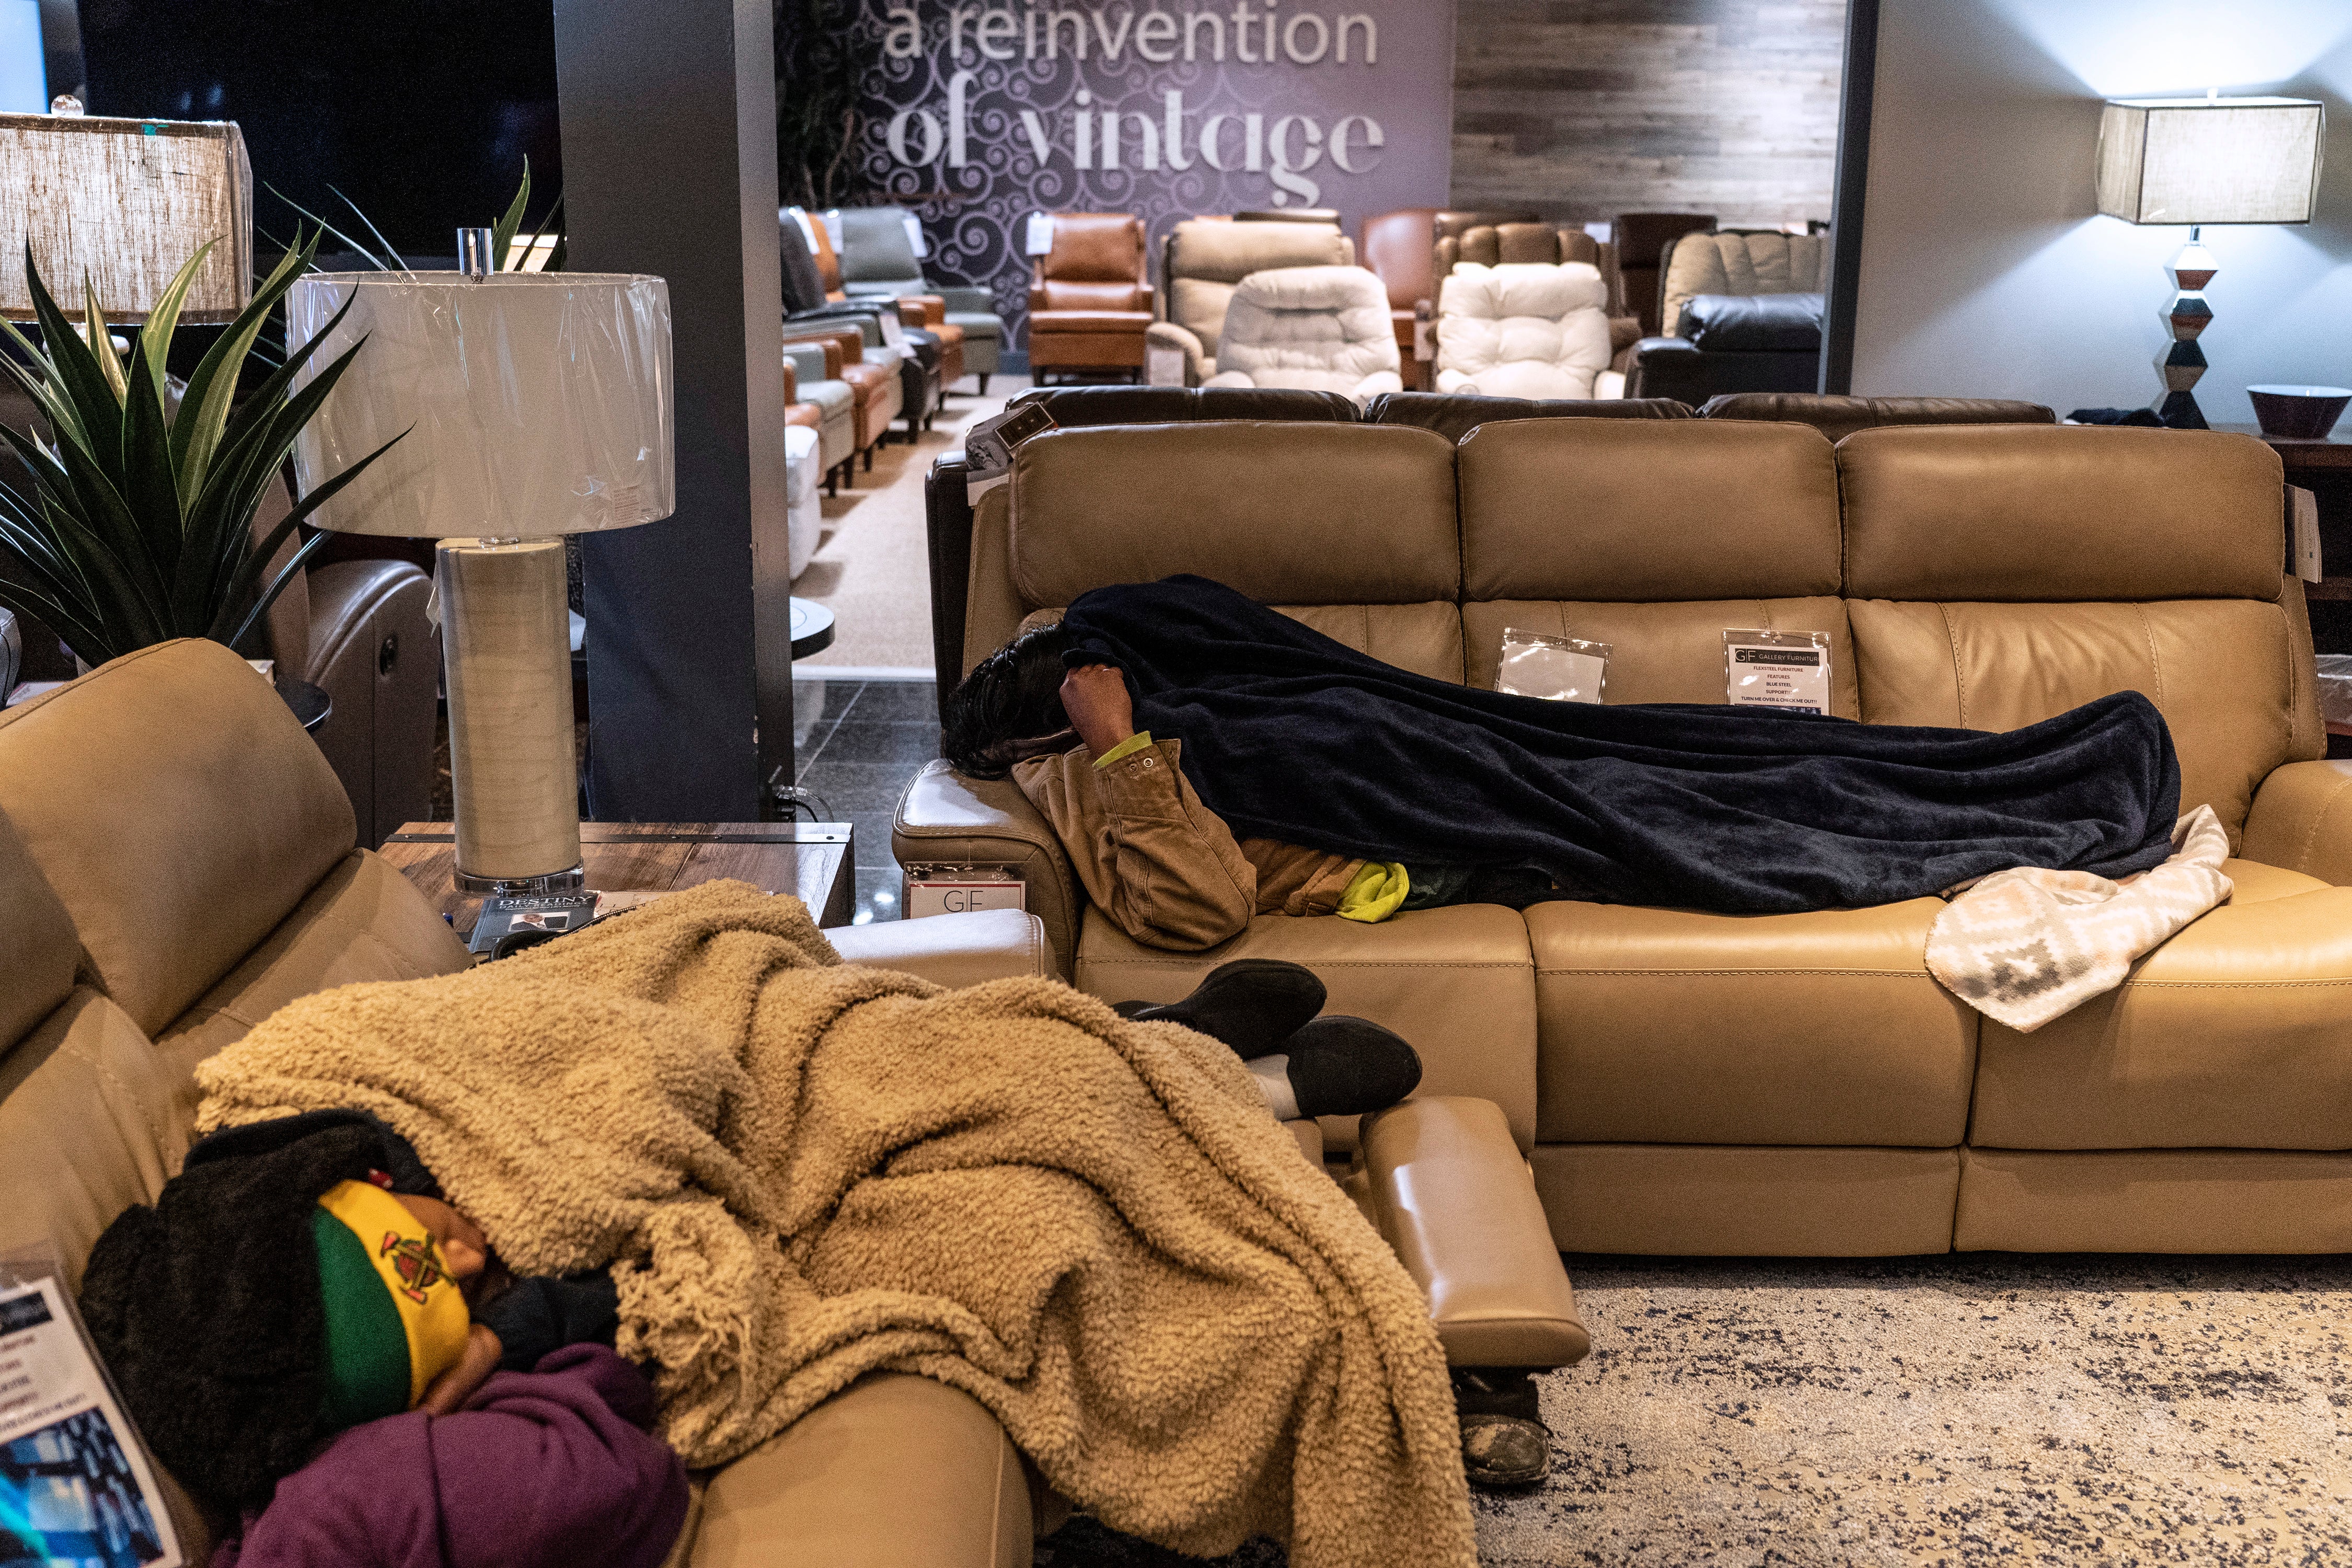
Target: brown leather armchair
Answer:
[[1089, 297]]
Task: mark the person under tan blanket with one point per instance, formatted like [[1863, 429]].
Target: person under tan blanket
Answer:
[[798, 1171]]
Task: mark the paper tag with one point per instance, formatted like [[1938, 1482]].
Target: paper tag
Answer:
[[1424, 333], [959, 889], [808, 229], [1599, 231], [1790, 670], [1040, 238], [2304, 506], [833, 227], [1162, 365], [988, 446], [1560, 669]]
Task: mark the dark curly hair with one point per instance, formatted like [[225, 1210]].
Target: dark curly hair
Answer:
[[1009, 708]]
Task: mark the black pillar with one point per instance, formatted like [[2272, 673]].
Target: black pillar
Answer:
[[668, 111]]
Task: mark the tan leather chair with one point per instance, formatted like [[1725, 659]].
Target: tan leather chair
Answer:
[[1089, 298], [176, 862], [879, 389], [1743, 262], [1787, 1084], [1200, 265]]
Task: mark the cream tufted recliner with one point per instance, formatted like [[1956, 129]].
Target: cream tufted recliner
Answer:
[[1318, 328], [1525, 330], [1203, 262]]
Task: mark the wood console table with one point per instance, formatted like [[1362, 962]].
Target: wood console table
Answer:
[[812, 860]]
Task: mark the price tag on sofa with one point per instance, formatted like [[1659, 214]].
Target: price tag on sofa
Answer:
[[958, 889], [2304, 509], [1777, 669]]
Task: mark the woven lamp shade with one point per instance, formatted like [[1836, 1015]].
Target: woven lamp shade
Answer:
[[126, 203], [2210, 160]]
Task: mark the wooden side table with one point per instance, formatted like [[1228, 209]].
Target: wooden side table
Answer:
[[811, 860]]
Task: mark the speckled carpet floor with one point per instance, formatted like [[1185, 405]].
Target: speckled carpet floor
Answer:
[[1984, 1408]]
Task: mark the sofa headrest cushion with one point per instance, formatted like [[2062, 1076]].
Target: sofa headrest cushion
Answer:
[[1752, 323], [1294, 513], [1227, 252], [39, 939], [178, 811], [2051, 513], [1635, 510]]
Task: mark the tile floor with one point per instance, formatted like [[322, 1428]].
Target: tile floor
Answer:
[[856, 744]]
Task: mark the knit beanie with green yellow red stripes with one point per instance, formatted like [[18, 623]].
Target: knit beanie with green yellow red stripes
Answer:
[[393, 1319]]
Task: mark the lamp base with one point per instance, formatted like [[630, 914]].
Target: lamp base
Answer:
[[570, 881], [513, 780], [2180, 412]]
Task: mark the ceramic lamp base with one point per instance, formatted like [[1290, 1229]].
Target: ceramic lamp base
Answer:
[[508, 666]]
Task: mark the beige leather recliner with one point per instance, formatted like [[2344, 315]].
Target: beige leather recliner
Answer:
[[1739, 261], [1791, 1084], [1202, 263]]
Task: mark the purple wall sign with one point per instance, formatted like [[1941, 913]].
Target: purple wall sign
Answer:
[[979, 114]]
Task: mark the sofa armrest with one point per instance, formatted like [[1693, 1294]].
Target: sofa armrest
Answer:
[[1168, 335], [1667, 367], [951, 950], [894, 1469], [944, 819], [1624, 331], [946, 529], [1453, 1197], [968, 301], [2302, 821]]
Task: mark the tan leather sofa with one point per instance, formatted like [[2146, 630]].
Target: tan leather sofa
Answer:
[[1706, 1084], [177, 861]]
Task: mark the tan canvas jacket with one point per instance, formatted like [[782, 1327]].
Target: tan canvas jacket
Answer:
[[1163, 866]]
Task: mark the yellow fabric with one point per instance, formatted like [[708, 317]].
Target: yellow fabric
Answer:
[[1126, 748], [1375, 893], [431, 1308], [800, 1172]]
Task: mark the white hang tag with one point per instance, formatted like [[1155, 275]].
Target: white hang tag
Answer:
[[808, 230], [1424, 333], [1788, 671], [1040, 238], [915, 237], [833, 227], [1560, 669], [1162, 365], [2304, 508]]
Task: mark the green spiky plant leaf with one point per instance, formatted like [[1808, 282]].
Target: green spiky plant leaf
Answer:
[[139, 524]]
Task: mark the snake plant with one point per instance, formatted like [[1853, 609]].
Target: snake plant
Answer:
[[138, 526]]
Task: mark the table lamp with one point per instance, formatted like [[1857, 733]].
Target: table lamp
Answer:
[[2199, 161], [124, 202], [536, 405]]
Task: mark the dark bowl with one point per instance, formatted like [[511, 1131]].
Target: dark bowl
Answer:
[[2301, 412]]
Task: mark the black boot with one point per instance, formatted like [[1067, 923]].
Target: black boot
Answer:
[[1253, 1004], [1338, 1066], [1504, 1440]]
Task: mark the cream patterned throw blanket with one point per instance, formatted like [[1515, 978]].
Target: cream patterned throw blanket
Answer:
[[2030, 945], [800, 1172]]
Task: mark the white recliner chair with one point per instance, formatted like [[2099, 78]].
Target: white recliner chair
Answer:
[[1526, 329], [1318, 329]]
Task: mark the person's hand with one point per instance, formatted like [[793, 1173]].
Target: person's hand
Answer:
[[474, 1365], [1095, 698]]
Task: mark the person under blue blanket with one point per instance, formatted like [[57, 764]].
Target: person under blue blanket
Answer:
[[1204, 758]]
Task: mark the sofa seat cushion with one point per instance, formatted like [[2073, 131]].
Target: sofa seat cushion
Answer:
[[2235, 1033], [364, 921], [1089, 321], [1674, 1027], [1664, 651], [1457, 983], [978, 326]]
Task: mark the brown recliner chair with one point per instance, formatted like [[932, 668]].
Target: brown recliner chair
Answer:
[[1641, 239], [1401, 246], [1089, 297]]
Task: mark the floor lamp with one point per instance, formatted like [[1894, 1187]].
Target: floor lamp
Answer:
[[535, 405], [2200, 160]]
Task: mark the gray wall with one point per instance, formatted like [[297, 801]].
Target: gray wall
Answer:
[[1585, 108], [1986, 270]]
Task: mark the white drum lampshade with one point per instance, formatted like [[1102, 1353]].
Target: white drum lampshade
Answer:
[[124, 202], [2199, 161], [535, 405]]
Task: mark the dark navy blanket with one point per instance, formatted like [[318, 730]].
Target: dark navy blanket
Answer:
[[1289, 735]]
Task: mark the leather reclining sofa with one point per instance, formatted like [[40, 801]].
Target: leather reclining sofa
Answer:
[[1691, 1083], [177, 861]]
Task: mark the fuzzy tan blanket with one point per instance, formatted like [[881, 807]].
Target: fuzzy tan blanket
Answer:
[[2024, 947], [801, 1172]]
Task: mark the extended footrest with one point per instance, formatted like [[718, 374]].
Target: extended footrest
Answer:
[[1451, 1194]]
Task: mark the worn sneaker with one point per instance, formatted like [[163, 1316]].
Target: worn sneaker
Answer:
[[1504, 1440]]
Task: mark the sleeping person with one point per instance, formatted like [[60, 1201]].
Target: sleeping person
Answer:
[[1205, 759]]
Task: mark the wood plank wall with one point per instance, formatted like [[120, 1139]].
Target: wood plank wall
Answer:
[[1582, 110]]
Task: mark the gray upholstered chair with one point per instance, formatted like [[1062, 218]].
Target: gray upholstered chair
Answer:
[[878, 260]]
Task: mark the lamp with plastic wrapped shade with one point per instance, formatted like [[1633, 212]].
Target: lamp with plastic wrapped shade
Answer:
[[536, 405]]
